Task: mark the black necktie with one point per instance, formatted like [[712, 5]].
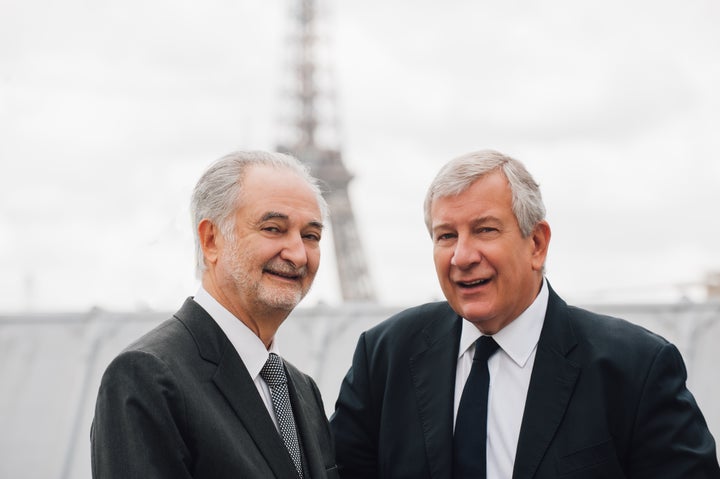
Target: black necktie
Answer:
[[470, 438], [273, 373]]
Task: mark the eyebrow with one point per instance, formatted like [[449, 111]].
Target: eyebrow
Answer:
[[271, 215], [440, 226], [485, 219], [474, 222]]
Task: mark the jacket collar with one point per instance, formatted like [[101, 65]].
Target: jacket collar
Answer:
[[551, 387]]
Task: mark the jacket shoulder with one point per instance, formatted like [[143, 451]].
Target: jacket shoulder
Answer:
[[163, 340], [596, 327], [415, 318], [410, 329], [174, 342]]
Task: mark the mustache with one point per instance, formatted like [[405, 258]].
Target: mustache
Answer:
[[285, 268]]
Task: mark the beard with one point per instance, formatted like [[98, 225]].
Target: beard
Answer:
[[281, 297]]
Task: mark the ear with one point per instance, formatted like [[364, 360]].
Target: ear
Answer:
[[541, 240], [209, 236]]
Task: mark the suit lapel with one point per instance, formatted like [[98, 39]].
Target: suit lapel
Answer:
[[551, 386], [306, 420], [235, 384], [433, 375]]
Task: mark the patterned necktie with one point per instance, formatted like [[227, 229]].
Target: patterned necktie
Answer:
[[470, 438], [273, 373]]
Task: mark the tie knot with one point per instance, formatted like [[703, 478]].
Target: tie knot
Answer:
[[273, 372], [485, 347]]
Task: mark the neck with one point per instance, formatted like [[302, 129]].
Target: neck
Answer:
[[262, 321]]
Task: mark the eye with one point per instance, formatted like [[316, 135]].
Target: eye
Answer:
[[445, 236], [272, 229], [312, 237], [489, 231]]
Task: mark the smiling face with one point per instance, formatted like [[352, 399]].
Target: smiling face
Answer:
[[487, 270], [269, 262]]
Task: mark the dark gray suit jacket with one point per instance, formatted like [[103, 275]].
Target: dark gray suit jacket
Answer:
[[179, 403], [607, 399]]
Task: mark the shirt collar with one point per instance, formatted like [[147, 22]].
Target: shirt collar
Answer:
[[248, 345], [520, 337]]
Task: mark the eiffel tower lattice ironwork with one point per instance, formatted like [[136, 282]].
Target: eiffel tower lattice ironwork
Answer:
[[325, 161]]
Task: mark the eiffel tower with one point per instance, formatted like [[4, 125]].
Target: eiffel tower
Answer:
[[324, 158]]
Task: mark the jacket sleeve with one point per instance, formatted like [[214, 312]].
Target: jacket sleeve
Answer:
[[137, 430], [671, 438], [354, 422]]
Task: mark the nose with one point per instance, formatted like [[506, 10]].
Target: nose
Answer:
[[466, 253], [294, 250]]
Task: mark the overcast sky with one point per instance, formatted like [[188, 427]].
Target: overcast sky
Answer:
[[109, 112]]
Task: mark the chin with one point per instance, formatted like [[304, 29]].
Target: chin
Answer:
[[476, 319], [475, 312], [281, 299]]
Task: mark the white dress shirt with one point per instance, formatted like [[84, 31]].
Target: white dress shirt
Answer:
[[248, 345], [510, 369]]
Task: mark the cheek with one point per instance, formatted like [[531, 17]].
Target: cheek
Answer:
[[441, 258], [313, 260], [442, 271]]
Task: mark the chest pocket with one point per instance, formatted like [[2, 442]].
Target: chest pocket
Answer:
[[594, 462]]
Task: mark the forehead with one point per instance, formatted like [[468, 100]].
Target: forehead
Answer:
[[281, 190], [489, 194]]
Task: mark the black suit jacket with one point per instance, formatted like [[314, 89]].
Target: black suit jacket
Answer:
[[607, 399], [179, 403]]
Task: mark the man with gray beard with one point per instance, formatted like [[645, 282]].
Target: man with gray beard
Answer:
[[206, 394]]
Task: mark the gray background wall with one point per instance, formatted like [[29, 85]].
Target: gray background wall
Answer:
[[51, 364]]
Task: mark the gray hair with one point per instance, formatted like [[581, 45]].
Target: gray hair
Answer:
[[218, 191], [459, 174]]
